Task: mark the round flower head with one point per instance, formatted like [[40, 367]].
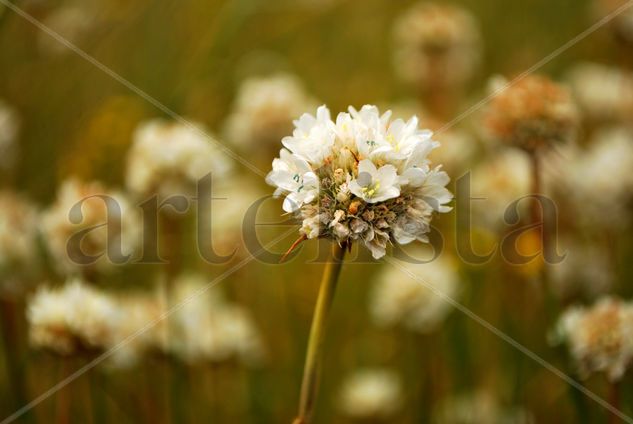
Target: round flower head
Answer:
[[398, 298], [169, 158], [72, 318], [361, 178], [371, 394], [264, 110], [436, 44], [64, 219], [603, 93], [9, 127], [18, 232], [600, 338], [531, 114]]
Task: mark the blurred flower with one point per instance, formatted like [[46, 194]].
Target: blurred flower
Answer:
[[73, 23], [9, 126], [360, 178], [604, 93], [600, 338], [436, 44], [18, 231], [209, 328], [169, 158], [496, 183], [71, 318], [264, 110], [599, 179], [478, 407], [532, 113], [584, 271], [398, 298], [371, 393], [98, 206]]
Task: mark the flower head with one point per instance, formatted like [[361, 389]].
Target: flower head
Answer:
[[264, 110], [169, 158], [99, 206], [18, 231], [71, 318], [371, 394], [600, 338], [436, 44], [362, 177], [531, 113]]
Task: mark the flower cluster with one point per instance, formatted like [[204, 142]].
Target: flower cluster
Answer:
[[400, 299], [600, 338], [361, 177], [603, 93], [99, 206], [264, 110], [531, 113], [72, 318], [371, 394], [436, 42], [169, 158]]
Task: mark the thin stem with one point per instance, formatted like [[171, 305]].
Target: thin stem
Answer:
[[614, 400], [317, 335]]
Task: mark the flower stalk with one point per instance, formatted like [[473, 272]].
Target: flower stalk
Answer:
[[314, 353]]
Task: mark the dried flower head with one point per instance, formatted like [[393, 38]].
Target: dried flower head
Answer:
[[209, 328], [360, 178], [436, 44], [532, 113], [264, 110], [371, 394], [9, 127], [18, 231], [600, 338], [400, 299], [64, 219], [603, 93], [72, 318], [169, 158]]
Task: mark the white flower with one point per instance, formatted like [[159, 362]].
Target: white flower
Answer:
[[264, 110], [375, 185], [398, 298], [363, 177], [293, 175], [71, 318], [600, 338], [603, 92], [371, 393], [169, 158]]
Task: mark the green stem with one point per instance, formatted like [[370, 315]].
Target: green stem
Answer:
[[317, 335]]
